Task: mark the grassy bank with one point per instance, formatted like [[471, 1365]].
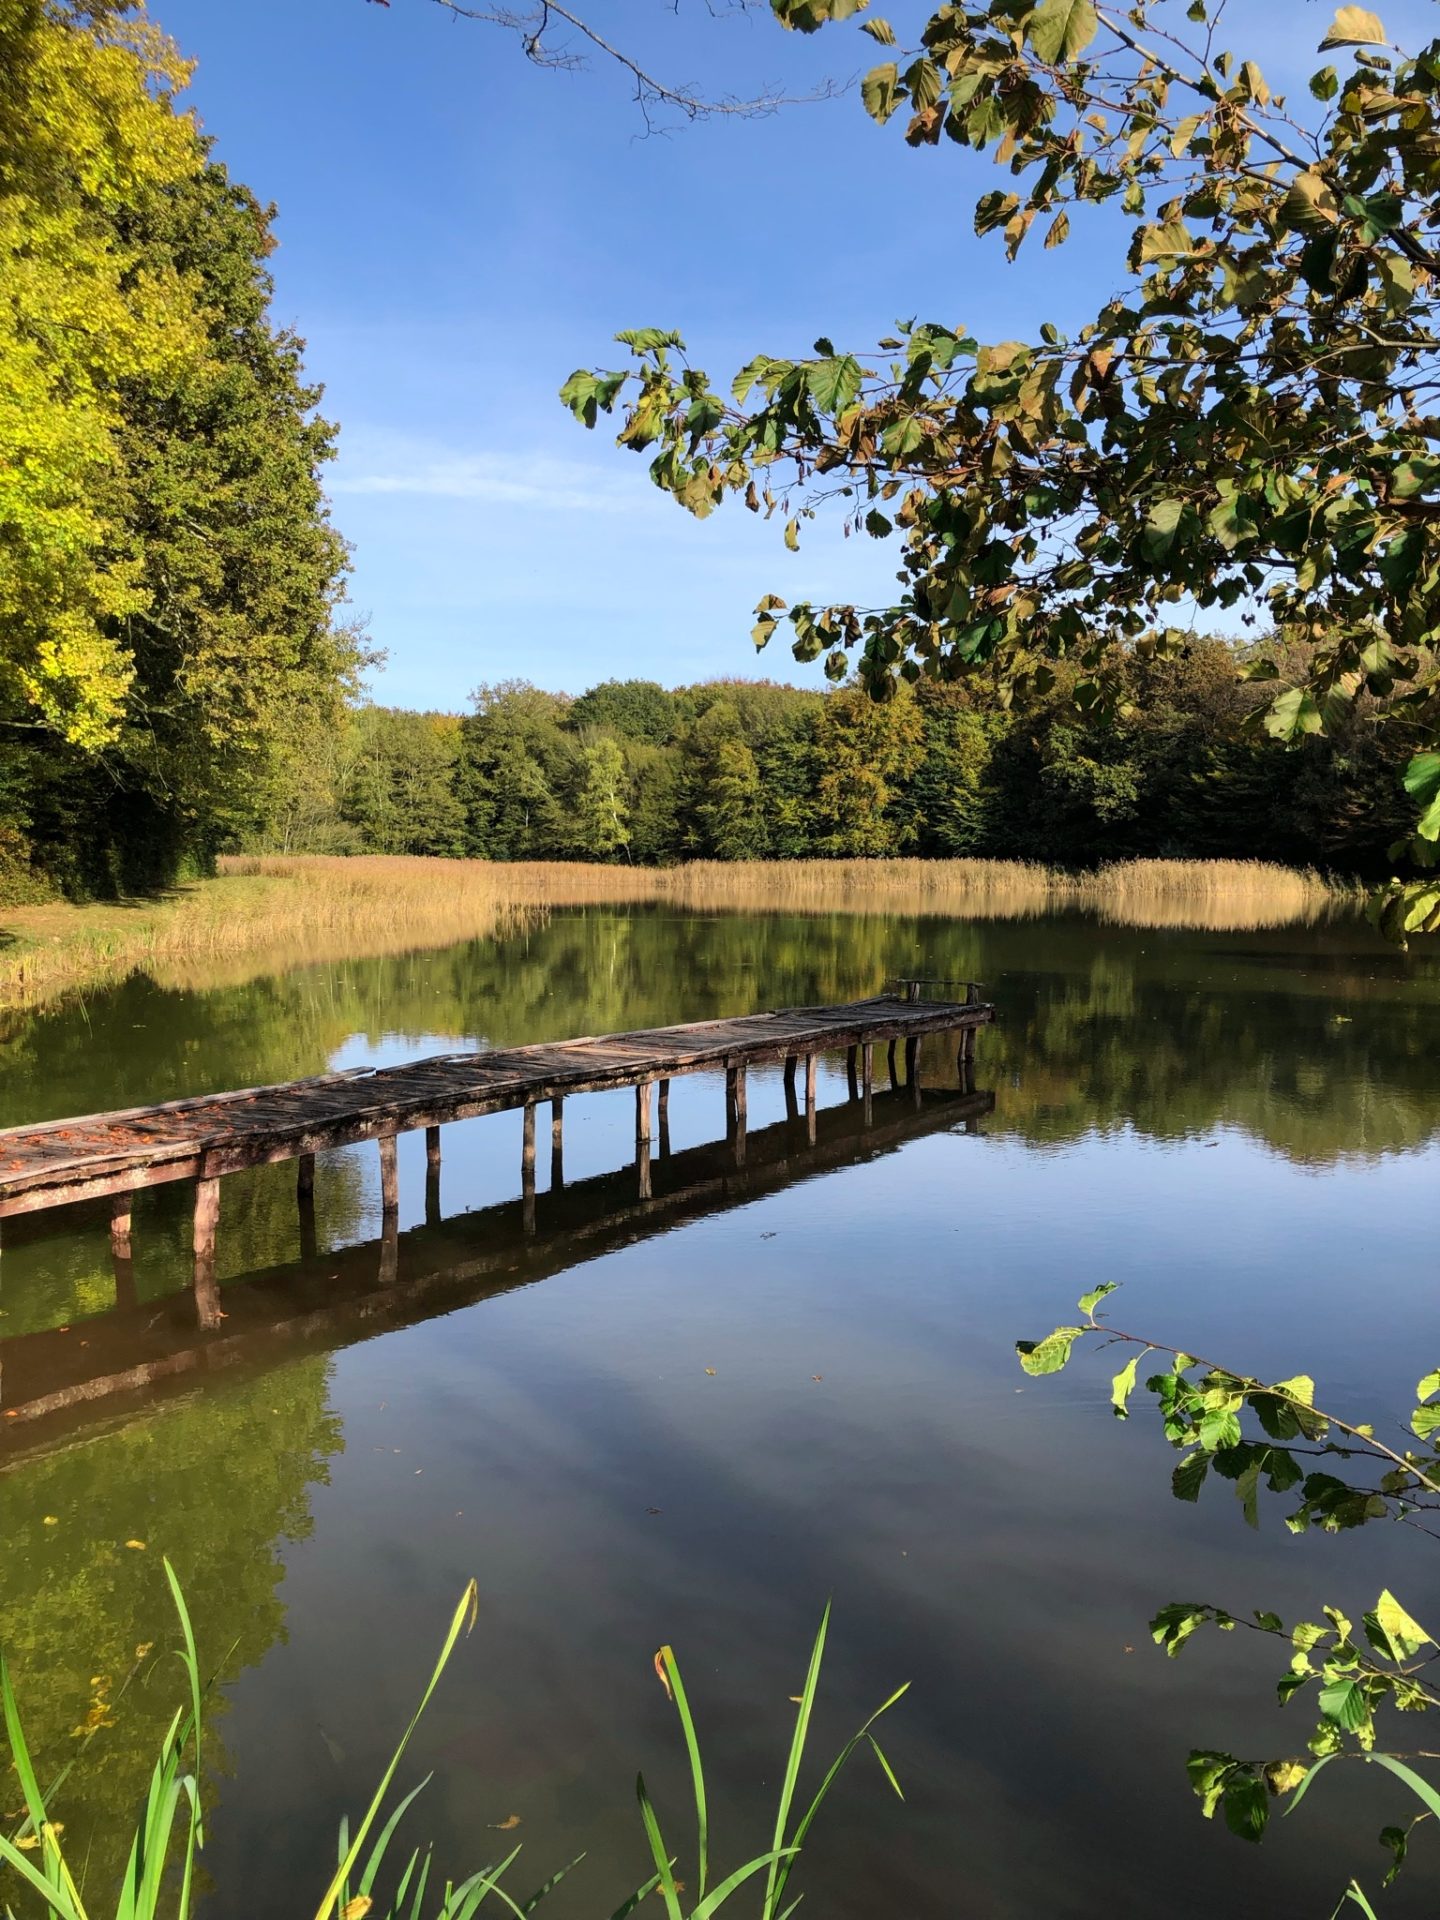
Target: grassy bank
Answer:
[[266, 913]]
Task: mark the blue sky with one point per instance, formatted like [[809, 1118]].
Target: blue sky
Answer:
[[458, 231]]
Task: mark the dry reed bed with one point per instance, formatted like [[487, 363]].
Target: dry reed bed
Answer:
[[263, 913]]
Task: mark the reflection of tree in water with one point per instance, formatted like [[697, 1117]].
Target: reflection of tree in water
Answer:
[[218, 1481], [1314, 1040]]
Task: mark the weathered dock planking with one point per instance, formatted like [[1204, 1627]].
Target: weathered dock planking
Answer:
[[202, 1139], [59, 1379]]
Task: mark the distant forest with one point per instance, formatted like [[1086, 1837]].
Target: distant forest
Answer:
[[744, 770]]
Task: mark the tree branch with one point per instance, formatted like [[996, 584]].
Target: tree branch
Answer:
[[534, 25]]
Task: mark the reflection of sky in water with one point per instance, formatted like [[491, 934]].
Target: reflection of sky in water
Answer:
[[1000, 1541]]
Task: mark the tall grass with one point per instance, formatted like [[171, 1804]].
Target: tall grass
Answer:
[[265, 913], [363, 1882]]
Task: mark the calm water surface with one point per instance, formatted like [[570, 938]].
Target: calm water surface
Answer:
[[695, 1426]]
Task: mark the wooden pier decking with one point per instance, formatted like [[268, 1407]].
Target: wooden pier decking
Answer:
[[202, 1139]]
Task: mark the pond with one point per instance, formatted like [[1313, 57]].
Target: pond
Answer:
[[696, 1422]]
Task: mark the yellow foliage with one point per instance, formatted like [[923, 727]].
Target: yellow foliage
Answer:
[[89, 134]]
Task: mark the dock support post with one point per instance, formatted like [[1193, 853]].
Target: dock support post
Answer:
[[810, 1097], [527, 1168], [389, 1249], [664, 1119], [432, 1176], [207, 1217], [894, 1069], [735, 1110], [792, 1108], [642, 1136], [912, 1068], [557, 1142], [867, 1079], [389, 1174], [850, 1074], [120, 1205], [305, 1204]]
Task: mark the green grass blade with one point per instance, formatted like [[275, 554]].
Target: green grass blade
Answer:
[[792, 1765], [418, 1902], [191, 1661], [1304, 1787], [20, 1752], [377, 1852], [697, 1771], [716, 1900], [663, 1865], [465, 1898], [797, 1839], [1353, 1892], [56, 1899], [1419, 1786], [529, 1906], [469, 1604], [627, 1907], [885, 1766]]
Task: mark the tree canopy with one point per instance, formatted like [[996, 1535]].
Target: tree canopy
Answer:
[[1245, 426], [168, 575]]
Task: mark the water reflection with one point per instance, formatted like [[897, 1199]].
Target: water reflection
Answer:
[[1233, 1125]]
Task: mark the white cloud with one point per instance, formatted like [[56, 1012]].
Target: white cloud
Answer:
[[564, 484]]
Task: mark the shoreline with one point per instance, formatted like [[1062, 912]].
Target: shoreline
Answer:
[[290, 910]]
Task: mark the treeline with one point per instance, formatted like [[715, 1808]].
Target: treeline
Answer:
[[170, 650], [741, 770]]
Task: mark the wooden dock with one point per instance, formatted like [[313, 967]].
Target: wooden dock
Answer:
[[200, 1140]]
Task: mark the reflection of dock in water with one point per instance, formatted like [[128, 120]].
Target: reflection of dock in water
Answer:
[[61, 1378]]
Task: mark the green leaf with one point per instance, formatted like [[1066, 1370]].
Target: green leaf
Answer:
[[1161, 525], [1088, 1302], [1059, 30], [1427, 1388], [1344, 1702], [879, 91], [1189, 1476], [1121, 1387], [880, 30], [1293, 713], [834, 383], [1391, 1630], [1425, 1421], [1219, 1429], [1050, 1354], [1247, 1806], [1354, 27]]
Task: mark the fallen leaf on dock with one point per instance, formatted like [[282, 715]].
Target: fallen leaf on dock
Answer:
[[507, 1825]]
